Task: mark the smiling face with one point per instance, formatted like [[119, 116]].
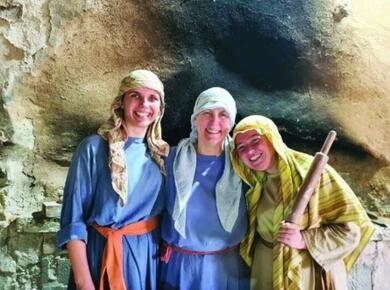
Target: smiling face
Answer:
[[256, 152], [141, 107], [212, 125]]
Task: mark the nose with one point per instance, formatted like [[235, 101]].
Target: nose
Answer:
[[216, 117], [212, 120], [143, 101], [251, 150]]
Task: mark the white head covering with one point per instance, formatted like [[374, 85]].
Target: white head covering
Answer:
[[229, 186], [211, 99]]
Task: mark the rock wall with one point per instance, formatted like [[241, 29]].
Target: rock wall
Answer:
[[30, 260], [310, 65]]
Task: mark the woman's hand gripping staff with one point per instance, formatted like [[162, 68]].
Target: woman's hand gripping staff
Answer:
[[289, 233]]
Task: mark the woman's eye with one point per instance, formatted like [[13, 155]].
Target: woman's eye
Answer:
[[154, 98], [133, 95], [240, 148], [256, 140]]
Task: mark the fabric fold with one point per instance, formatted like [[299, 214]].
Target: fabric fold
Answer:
[[228, 190]]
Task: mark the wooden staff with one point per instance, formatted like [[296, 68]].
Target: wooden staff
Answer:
[[311, 180]]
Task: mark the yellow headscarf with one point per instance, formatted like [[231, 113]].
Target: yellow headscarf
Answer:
[[114, 130], [333, 202]]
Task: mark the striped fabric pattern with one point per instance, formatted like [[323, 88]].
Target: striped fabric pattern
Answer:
[[333, 202]]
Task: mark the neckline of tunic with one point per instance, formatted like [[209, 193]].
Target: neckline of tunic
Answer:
[[272, 187], [202, 157], [133, 140], [273, 176]]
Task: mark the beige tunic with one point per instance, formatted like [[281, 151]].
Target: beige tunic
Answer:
[[327, 245], [261, 274]]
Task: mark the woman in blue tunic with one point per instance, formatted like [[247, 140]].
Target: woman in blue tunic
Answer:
[[112, 193], [205, 217]]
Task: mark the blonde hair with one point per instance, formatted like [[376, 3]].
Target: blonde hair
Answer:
[[115, 132]]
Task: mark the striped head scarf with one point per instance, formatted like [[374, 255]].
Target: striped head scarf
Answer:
[[333, 202], [114, 130]]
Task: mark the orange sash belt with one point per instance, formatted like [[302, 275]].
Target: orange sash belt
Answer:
[[113, 252]]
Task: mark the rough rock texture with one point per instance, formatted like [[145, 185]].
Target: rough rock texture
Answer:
[[310, 65], [303, 64]]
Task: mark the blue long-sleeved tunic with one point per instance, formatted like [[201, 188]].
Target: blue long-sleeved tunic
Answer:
[[90, 198], [204, 232]]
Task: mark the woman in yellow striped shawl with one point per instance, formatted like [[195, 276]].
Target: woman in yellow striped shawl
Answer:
[[318, 253]]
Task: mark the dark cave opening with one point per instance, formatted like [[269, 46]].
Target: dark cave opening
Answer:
[[268, 61]]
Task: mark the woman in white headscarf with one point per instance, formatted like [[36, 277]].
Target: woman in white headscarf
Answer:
[[205, 216], [112, 193]]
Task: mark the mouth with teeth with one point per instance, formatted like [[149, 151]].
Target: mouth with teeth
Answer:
[[256, 158], [212, 132], [142, 115]]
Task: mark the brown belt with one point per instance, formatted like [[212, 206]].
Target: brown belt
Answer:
[[168, 249], [264, 242]]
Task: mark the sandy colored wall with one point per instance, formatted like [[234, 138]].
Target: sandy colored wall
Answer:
[[309, 66]]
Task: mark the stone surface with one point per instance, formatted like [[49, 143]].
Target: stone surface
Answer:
[[2, 215], [7, 263], [27, 258], [3, 235], [52, 209], [63, 270], [369, 272], [7, 283], [292, 60], [381, 234], [381, 274], [361, 278], [32, 226], [50, 176], [28, 278], [49, 246], [48, 270], [300, 64], [54, 286], [379, 195], [310, 65], [20, 196]]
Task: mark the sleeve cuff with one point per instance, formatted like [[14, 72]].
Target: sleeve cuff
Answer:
[[73, 231], [311, 249], [331, 243]]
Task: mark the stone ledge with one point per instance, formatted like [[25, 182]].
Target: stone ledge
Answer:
[[52, 209], [31, 226]]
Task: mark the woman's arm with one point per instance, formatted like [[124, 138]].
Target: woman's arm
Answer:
[[330, 243], [78, 259], [73, 233], [326, 244]]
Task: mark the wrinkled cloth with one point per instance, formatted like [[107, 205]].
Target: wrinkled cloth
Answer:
[[90, 199], [228, 187], [114, 130], [203, 233], [341, 238], [113, 251], [333, 202]]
